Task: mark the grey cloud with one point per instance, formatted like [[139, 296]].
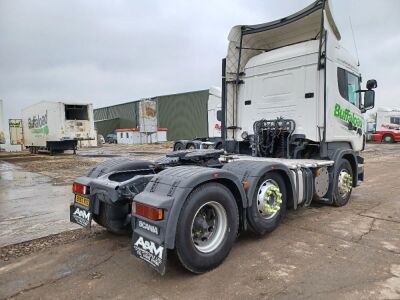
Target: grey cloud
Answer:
[[108, 52]]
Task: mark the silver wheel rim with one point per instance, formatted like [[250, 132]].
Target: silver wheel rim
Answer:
[[209, 226], [388, 139], [345, 183], [269, 199]]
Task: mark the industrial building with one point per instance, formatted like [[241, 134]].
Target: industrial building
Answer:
[[184, 115]]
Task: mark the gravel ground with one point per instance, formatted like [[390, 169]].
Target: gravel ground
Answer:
[[41, 244]]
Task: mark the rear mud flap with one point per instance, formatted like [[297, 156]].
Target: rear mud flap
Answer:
[[149, 251], [80, 216]]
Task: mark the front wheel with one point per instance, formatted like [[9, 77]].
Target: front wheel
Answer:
[[344, 184], [208, 226]]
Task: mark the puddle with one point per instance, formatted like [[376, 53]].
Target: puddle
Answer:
[[31, 206]]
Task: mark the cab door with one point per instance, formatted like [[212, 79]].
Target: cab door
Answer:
[[345, 122]]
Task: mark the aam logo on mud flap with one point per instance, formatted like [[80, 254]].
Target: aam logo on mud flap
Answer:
[[150, 247], [81, 216]]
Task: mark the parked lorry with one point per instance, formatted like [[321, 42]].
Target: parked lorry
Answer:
[[387, 128], [214, 117], [292, 129], [2, 133], [57, 126]]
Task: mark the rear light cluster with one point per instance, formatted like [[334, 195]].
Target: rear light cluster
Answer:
[[147, 211], [80, 189]]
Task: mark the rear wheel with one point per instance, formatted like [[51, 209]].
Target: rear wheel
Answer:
[[114, 218], [344, 184], [387, 138], [208, 226], [269, 204], [179, 146], [190, 146]]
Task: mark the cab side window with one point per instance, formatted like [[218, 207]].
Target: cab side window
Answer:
[[219, 115], [348, 85], [395, 120]]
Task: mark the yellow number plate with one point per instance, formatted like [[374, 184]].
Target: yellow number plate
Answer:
[[82, 200]]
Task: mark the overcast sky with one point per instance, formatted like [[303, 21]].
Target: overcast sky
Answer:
[[107, 52]]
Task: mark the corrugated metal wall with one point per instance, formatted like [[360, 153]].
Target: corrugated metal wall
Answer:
[[105, 117], [185, 115], [106, 127]]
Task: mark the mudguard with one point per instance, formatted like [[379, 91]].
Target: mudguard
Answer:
[[109, 191], [252, 171], [351, 156], [169, 189], [336, 156], [118, 164]]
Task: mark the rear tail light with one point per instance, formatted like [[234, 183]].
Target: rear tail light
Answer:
[[147, 211], [80, 189]]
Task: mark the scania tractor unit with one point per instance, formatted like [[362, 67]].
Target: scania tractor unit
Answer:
[[292, 128]]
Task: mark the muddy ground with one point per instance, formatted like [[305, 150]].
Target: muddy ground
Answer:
[[64, 168], [35, 190], [321, 252]]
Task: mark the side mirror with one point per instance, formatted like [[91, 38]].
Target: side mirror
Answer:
[[372, 84], [369, 99]]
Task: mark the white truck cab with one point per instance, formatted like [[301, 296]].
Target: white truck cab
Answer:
[[294, 69], [214, 112]]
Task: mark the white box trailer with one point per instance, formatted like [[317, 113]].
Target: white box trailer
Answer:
[[58, 126]]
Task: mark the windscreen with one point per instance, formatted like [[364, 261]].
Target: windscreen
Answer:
[[76, 112]]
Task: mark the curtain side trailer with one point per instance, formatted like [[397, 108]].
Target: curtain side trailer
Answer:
[[292, 131], [57, 126], [387, 125]]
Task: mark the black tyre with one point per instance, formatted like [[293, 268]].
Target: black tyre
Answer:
[[387, 138], [114, 218], [178, 146], [269, 204], [344, 184], [218, 146], [208, 226], [190, 146]]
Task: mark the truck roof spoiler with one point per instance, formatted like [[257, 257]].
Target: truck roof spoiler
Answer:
[[299, 27]]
